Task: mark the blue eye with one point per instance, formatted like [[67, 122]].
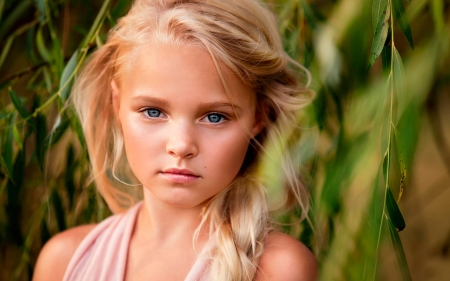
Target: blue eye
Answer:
[[153, 113], [215, 117]]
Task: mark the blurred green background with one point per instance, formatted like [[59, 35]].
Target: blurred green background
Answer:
[[374, 146]]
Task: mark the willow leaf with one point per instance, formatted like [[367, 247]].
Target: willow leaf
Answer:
[[400, 15], [7, 149], [17, 137], [2, 6], [380, 36], [42, 49], [47, 79], [399, 78], [94, 26], [309, 14], [57, 132], [4, 115], [438, 13], [378, 7], [386, 59], [394, 212], [67, 75], [399, 252], [41, 133], [18, 103], [401, 162], [40, 4], [5, 49], [59, 210], [76, 126]]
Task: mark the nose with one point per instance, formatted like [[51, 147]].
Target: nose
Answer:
[[181, 142]]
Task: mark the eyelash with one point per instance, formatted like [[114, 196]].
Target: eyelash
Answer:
[[147, 110], [222, 116]]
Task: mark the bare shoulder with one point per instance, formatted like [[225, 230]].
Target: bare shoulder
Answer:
[[285, 258], [57, 252]]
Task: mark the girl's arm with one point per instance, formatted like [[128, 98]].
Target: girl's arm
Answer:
[[286, 259], [57, 252]]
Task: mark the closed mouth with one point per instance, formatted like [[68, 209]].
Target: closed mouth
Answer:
[[176, 171], [180, 176]]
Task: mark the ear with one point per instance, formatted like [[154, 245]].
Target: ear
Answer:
[[258, 126], [115, 98]]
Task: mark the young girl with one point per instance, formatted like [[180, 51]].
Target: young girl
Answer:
[[185, 97]]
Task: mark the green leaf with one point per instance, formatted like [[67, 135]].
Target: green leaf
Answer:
[[42, 49], [48, 81], [4, 115], [41, 133], [2, 6], [45, 233], [71, 165], [66, 77], [386, 59], [18, 103], [59, 129], [17, 137], [380, 36], [5, 84], [400, 15], [6, 49], [309, 14], [378, 7], [57, 55], [399, 164], [438, 14], [399, 252], [399, 78], [7, 149], [408, 133], [30, 45], [14, 16], [59, 210], [18, 171], [76, 125], [7, 169], [41, 8], [385, 165], [95, 25], [394, 212]]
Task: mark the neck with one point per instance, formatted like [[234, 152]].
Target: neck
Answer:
[[169, 225]]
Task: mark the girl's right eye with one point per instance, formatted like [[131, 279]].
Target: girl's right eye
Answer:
[[152, 112]]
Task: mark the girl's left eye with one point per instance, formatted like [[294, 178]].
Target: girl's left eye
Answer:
[[215, 118], [152, 112]]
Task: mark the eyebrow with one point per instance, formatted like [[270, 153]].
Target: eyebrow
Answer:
[[147, 99], [164, 103]]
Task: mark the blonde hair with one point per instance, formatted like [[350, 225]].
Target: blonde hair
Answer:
[[243, 35]]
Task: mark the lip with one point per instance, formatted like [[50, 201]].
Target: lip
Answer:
[[179, 175]]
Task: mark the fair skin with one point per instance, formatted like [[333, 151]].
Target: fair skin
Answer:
[[185, 139]]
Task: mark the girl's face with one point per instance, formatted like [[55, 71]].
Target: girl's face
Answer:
[[185, 138]]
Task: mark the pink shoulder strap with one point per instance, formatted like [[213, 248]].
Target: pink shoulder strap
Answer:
[[102, 254]]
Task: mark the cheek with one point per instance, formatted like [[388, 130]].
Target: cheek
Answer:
[[140, 144], [228, 155]]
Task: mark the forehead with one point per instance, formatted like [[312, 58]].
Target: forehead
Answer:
[[169, 70]]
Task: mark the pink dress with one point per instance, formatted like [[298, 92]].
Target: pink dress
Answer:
[[102, 254]]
